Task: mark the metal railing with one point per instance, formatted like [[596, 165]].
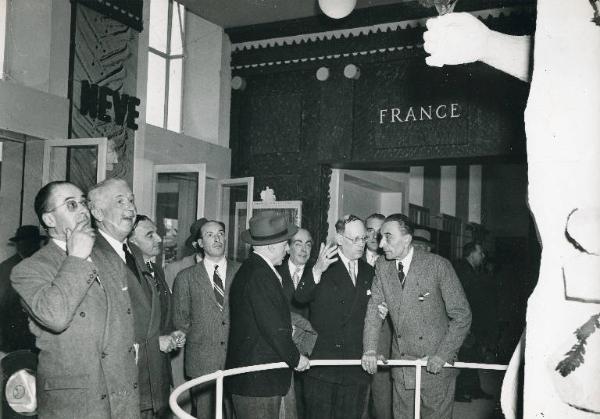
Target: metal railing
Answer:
[[220, 375]]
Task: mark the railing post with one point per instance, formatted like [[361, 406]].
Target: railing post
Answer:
[[219, 407], [417, 391]]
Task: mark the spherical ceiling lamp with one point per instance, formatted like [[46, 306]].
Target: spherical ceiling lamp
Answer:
[[337, 9]]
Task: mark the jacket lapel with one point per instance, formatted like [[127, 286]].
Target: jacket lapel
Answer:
[[206, 283]]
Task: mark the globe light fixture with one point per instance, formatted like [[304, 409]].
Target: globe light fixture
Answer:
[[337, 9]]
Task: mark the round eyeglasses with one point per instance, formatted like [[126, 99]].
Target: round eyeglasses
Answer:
[[72, 205]]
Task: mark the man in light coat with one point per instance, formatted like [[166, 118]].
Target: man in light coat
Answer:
[[201, 311], [430, 315], [81, 315]]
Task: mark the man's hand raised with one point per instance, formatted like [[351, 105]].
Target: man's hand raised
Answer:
[[80, 240], [327, 255]]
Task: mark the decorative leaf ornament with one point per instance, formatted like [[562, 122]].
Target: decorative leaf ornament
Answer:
[[442, 6], [575, 356]]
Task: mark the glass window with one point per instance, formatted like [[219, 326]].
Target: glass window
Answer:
[[165, 64]]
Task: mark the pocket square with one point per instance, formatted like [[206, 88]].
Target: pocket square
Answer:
[[368, 292]]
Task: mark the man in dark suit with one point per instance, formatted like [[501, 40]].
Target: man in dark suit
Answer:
[[201, 300], [261, 327], [81, 315], [145, 245], [338, 293], [14, 331], [113, 207], [430, 316]]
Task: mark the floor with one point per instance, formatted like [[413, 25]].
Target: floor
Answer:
[[491, 382]]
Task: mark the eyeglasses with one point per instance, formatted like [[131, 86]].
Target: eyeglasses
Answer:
[[72, 205], [357, 239]]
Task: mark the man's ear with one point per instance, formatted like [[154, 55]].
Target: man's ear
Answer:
[[49, 220], [199, 244], [97, 213]]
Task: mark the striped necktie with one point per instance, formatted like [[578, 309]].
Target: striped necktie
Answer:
[[401, 275], [218, 288], [352, 270]]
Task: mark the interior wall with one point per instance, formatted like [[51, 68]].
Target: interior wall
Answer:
[[10, 194], [360, 201]]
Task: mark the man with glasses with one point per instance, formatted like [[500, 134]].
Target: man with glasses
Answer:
[[201, 310], [337, 293], [430, 315], [81, 317]]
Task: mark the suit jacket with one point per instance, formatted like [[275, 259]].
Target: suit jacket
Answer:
[[83, 323], [431, 315], [199, 316], [154, 374], [261, 331], [337, 312], [14, 330], [288, 288], [173, 268]]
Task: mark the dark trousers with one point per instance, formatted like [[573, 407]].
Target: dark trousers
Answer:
[[246, 407], [204, 398], [325, 400], [381, 394]]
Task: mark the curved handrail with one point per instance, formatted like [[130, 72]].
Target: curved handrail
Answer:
[[219, 375]]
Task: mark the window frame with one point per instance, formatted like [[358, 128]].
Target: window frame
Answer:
[[168, 57]]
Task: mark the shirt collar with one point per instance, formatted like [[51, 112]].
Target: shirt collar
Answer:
[[114, 243], [407, 260], [292, 266], [210, 265], [61, 243]]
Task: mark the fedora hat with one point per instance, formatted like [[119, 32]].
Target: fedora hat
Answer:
[[195, 232], [422, 236], [27, 232], [268, 227]]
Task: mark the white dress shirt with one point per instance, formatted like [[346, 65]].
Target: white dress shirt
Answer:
[[115, 244], [292, 267], [406, 261], [210, 269], [346, 262]]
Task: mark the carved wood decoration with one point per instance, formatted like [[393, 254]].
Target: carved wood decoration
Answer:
[[288, 128]]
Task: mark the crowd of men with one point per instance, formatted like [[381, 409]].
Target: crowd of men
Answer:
[[106, 318]]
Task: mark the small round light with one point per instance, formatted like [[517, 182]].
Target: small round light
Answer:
[[337, 9], [352, 72], [238, 83], [322, 74]]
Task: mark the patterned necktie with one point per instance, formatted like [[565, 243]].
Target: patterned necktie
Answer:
[[401, 275], [352, 270], [150, 268], [218, 288], [296, 277]]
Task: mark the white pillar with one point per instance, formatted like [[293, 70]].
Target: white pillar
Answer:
[[475, 193], [448, 190], [416, 185]]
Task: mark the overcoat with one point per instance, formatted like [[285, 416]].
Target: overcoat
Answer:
[[261, 331], [197, 313], [337, 312], [430, 315], [83, 323], [151, 307]]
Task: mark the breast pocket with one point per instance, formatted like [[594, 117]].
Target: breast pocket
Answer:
[[64, 397]]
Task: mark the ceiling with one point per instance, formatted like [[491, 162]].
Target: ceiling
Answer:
[[235, 13]]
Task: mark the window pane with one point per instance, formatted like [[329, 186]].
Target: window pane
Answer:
[[175, 79], [177, 31], [155, 91], [159, 14]]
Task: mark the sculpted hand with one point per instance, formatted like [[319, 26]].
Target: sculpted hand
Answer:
[[382, 309], [303, 364], [179, 338], [166, 343], [80, 240], [327, 255], [455, 38], [435, 364]]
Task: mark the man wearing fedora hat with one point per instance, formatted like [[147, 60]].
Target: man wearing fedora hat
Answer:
[[422, 240], [261, 326], [14, 332]]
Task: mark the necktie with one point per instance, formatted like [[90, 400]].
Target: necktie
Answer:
[[150, 268], [352, 270], [218, 288], [401, 275], [130, 261], [296, 277]]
